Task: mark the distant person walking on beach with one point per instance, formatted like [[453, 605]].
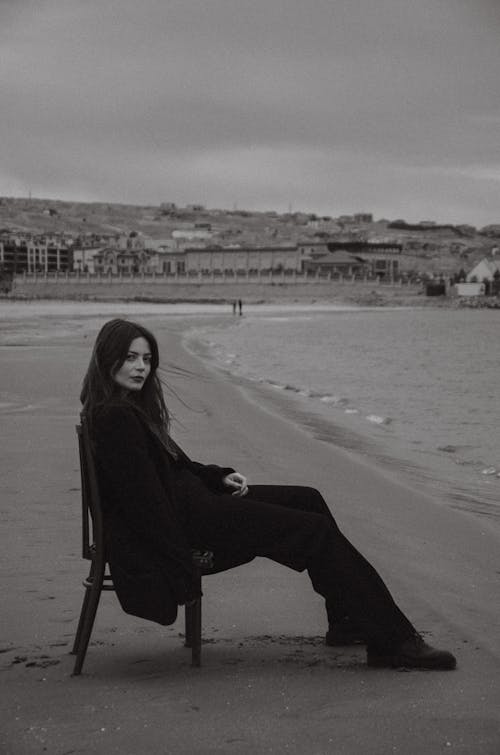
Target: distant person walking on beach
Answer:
[[158, 505], [240, 306], [234, 306]]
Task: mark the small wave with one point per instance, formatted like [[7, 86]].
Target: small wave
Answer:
[[489, 471], [18, 408], [10, 402], [337, 400], [351, 411], [274, 384], [326, 398], [378, 420]]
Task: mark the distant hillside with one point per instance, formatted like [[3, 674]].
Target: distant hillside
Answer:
[[440, 246]]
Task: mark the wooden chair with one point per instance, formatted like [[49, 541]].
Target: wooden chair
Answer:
[[99, 579]]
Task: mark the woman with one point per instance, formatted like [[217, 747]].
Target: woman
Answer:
[[158, 506]]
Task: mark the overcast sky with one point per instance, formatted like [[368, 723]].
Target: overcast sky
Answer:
[[329, 106]]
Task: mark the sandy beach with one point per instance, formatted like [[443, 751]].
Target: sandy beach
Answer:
[[267, 684]]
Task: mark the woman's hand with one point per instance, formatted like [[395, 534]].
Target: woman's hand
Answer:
[[236, 481]]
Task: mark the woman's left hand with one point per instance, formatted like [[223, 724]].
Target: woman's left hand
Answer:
[[238, 482]]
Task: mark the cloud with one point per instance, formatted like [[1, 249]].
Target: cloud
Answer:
[[89, 88]]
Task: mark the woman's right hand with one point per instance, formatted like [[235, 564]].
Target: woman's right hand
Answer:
[[238, 482]]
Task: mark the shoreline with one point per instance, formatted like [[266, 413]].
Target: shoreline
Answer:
[[380, 296], [267, 683], [347, 293]]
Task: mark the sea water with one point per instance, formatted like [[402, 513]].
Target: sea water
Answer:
[[412, 388]]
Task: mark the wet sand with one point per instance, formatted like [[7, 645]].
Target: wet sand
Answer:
[[268, 684]]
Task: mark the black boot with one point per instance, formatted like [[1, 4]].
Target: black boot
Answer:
[[412, 653]]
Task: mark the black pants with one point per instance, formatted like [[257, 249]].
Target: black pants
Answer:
[[293, 526]]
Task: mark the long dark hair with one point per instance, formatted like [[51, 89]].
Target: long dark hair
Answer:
[[99, 388]]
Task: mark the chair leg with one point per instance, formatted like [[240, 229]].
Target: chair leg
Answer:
[[188, 632], [196, 634], [193, 625], [89, 610], [83, 613]]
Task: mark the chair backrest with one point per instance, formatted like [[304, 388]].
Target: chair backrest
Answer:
[[92, 524]]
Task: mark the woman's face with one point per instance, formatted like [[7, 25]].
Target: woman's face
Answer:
[[137, 365]]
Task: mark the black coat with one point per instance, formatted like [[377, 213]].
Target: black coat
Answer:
[[150, 559]]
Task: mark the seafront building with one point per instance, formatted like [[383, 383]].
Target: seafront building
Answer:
[[29, 253], [377, 259], [485, 270], [84, 259], [136, 254], [313, 258], [487, 274]]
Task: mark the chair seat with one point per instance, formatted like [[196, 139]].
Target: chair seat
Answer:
[[204, 561]]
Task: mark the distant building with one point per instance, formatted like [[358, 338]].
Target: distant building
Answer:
[[242, 260], [162, 245], [485, 270], [27, 253], [226, 261], [339, 262], [469, 289], [169, 262], [382, 258], [92, 240], [132, 241], [192, 233], [84, 259], [324, 223], [116, 261], [312, 249]]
